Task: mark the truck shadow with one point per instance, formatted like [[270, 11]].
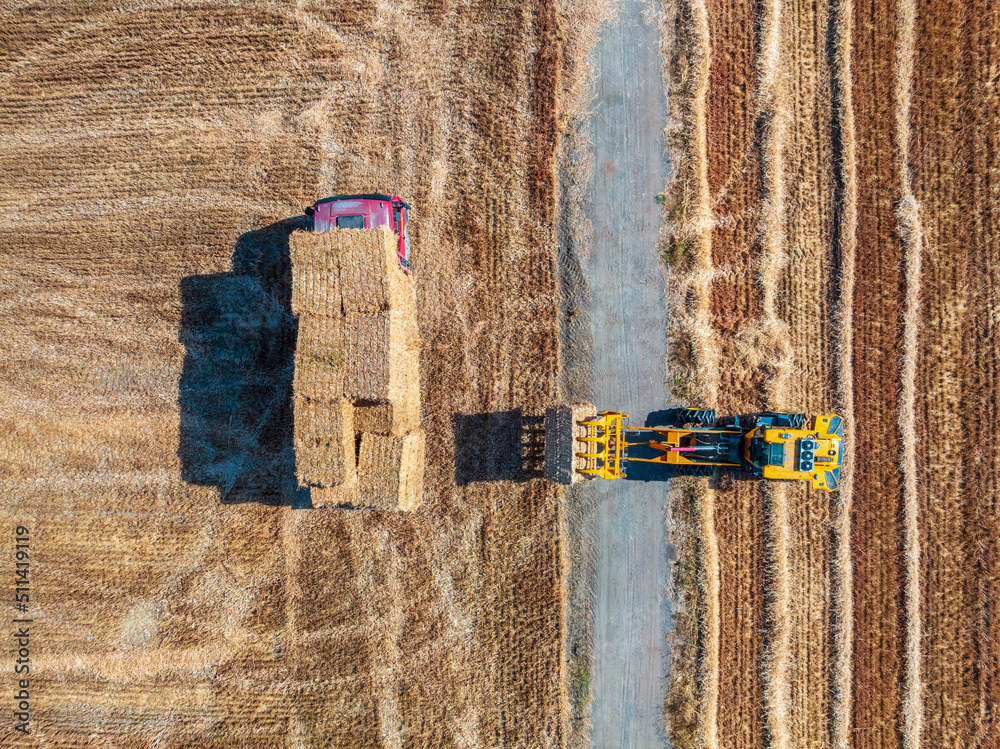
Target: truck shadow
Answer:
[[235, 393], [500, 446]]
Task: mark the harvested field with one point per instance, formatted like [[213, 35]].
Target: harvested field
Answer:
[[147, 382], [882, 267]]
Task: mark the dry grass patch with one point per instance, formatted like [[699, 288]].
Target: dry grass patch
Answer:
[[148, 389]]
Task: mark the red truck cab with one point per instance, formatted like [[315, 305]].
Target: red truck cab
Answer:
[[365, 212]]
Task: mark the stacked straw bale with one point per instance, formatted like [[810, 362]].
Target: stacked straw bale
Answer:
[[383, 356], [320, 358], [391, 470], [324, 442], [315, 274], [370, 276], [388, 419], [562, 435], [357, 371]]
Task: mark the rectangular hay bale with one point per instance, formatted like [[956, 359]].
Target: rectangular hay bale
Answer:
[[393, 419], [562, 432], [319, 358], [391, 471], [370, 277], [383, 357], [315, 274], [324, 442]]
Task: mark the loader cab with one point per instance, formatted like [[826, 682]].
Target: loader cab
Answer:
[[368, 211], [785, 453]]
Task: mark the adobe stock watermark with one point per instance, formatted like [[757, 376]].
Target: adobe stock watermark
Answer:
[[21, 630]]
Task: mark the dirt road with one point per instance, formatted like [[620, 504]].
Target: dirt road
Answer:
[[632, 606]]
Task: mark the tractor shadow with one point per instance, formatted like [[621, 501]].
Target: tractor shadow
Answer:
[[500, 446], [235, 393]]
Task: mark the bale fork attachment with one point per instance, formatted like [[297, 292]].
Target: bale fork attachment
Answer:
[[605, 444]]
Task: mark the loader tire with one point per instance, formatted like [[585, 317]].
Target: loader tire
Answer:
[[692, 470], [790, 421], [698, 416]]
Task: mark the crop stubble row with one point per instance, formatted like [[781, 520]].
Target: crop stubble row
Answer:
[[806, 300], [735, 179], [955, 115], [877, 442], [945, 634]]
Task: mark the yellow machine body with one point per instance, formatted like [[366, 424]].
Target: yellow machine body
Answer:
[[823, 470], [768, 448]]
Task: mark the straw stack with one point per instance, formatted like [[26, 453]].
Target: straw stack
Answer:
[[357, 371], [391, 470]]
